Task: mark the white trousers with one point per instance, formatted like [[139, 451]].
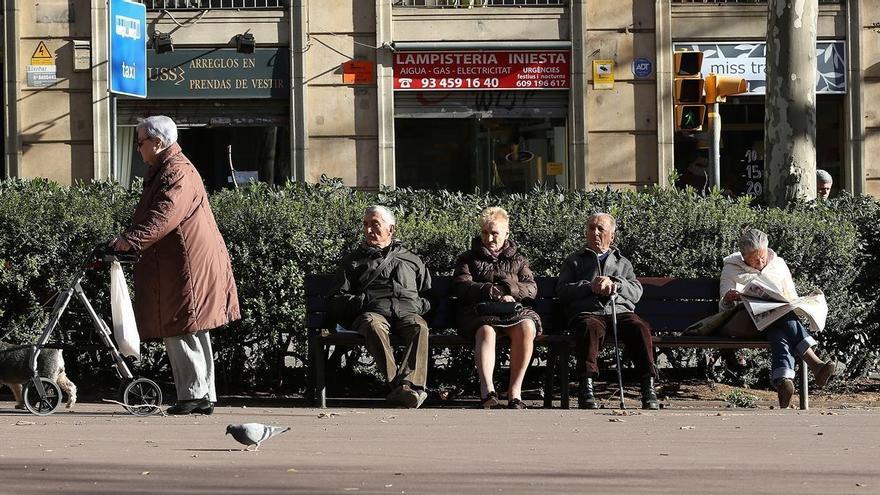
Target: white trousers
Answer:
[[192, 364]]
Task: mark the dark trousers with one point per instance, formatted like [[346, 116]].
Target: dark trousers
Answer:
[[635, 333], [413, 329]]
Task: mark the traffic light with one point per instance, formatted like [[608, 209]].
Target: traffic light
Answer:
[[718, 88], [689, 87]]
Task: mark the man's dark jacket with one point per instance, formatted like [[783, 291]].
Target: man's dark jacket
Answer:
[[579, 269], [394, 292]]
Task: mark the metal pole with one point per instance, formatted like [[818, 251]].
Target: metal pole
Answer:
[[715, 148], [113, 151]]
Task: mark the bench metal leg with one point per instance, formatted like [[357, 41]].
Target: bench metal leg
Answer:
[[319, 364], [563, 377], [805, 393], [548, 378]]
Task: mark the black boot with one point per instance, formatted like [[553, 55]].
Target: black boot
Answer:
[[649, 396], [193, 406], [586, 399]]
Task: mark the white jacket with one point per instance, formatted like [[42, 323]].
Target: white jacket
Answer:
[[737, 273]]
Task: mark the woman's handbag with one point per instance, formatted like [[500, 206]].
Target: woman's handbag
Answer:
[[710, 324], [498, 308]]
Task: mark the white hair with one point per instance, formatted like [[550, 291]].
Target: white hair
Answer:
[[823, 177], [601, 214], [383, 212], [494, 214], [751, 240], [160, 127]]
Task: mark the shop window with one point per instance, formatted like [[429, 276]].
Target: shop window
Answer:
[[742, 146], [497, 155], [258, 153]]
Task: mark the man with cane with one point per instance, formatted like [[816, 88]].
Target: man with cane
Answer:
[[600, 291]]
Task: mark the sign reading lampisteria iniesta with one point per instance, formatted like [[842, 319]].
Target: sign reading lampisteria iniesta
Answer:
[[445, 71]]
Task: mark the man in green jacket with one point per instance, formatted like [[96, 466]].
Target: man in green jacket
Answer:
[[379, 286], [588, 280]]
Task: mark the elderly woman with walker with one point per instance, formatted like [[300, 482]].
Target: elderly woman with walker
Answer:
[[183, 280]]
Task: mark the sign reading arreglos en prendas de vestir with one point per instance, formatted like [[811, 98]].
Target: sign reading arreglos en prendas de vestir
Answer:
[[444, 71]]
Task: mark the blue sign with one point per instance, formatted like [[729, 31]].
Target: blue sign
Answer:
[[642, 67], [128, 48]]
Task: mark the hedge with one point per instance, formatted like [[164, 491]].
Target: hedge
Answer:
[[276, 235]]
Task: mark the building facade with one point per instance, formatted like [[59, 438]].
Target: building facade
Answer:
[[457, 94]]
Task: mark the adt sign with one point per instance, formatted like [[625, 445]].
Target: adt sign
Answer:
[[128, 48], [642, 67]]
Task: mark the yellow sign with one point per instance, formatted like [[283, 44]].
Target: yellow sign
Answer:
[[603, 74], [554, 168], [42, 56]]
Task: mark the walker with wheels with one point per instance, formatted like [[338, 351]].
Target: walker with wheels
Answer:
[[42, 396]]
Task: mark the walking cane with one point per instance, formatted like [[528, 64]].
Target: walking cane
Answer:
[[616, 344]]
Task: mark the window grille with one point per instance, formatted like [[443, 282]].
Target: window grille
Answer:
[[212, 4], [437, 4]]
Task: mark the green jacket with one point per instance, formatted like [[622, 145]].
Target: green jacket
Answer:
[[394, 292]]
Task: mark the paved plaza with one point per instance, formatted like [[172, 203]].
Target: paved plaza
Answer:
[[99, 448]]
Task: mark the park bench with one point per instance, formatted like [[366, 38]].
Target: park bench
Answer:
[[670, 305], [441, 321]]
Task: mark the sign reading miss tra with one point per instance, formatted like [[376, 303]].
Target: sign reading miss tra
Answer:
[[128, 48]]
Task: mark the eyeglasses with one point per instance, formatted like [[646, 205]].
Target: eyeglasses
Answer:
[[140, 142]]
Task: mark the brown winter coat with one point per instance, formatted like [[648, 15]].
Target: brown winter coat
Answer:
[[477, 272], [183, 281]]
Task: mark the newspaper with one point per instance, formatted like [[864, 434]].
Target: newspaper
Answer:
[[766, 303]]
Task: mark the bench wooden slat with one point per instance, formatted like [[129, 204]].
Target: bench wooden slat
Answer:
[[654, 308], [678, 288], [546, 286], [316, 319], [316, 284]]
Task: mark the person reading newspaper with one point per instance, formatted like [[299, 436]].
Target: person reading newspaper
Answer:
[[759, 280]]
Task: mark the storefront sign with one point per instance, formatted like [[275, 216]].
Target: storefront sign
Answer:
[[603, 74], [445, 71], [748, 60], [219, 73]]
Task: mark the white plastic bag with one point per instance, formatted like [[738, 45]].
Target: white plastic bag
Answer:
[[124, 324]]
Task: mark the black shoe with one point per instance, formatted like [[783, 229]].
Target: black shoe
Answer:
[[490, 401], [586, 398], [516, 404], [649, 396], [183, 407], [207, 411]]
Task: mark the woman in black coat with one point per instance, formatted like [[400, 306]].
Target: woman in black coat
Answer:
[[493, 270]]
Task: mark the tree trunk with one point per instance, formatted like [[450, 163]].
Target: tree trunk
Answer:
[[790, 111]]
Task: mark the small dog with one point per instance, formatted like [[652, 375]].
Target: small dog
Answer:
[[15, 371]]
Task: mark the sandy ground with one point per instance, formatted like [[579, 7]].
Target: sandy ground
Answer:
[[691, 448]]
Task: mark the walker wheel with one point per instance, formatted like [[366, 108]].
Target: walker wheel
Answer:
[[142, 397], [42, 406]]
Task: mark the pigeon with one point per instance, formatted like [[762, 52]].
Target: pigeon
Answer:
[[253, 433]]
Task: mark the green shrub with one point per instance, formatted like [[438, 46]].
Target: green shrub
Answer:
[[276, 235]]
